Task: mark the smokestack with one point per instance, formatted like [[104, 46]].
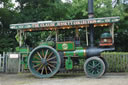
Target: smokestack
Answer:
[[90, 9], [91, 26]]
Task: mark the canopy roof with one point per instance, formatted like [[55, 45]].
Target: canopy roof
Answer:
[[67, 24]]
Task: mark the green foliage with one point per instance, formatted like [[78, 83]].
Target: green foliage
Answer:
[[121, 36], [55, 10], [7, 40], [6, 43]]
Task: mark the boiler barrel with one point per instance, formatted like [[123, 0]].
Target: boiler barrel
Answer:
[[82, 52], [94, 51], [76, 53]]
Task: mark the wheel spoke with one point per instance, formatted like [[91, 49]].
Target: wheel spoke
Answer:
[[52, 62], [36, 61], [39, 55], [98, 71], [50, 69], [93, 63], [46, 70], [42, 70], [39, 67], [43, 53], [90, 66], [49, 55], [51, 58], [93, 72], [46, 54], [97, 65], [37, 58], [36, 65], [51, 65]]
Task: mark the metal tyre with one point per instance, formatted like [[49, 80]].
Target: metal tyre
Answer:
[[94, 67], [44, 62]]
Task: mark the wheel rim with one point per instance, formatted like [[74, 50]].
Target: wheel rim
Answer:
[[44, 62], [94, 67]]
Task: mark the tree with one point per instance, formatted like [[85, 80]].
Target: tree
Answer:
[[122, 32], [7, 43], [55, 10]]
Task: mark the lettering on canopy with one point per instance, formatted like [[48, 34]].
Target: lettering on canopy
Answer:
[[65, 23]]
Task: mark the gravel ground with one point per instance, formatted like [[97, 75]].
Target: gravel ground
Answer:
[[77, 79]]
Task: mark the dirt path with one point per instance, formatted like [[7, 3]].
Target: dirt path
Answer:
[[28, 79]]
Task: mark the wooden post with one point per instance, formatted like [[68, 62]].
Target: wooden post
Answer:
[[86, 36], [25, 35], [56, 35], [112, 32], [20, 40]]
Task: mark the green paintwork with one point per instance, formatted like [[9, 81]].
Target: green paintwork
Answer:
[[79, 48], [64, 46], [69, 63], [24, 50], [44, 24], [80, 52], [24, 61], [106, 35]]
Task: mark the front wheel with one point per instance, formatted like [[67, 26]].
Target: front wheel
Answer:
[[94, 67]]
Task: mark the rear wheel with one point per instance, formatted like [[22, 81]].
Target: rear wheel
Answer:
[[44, 62], [94, 67]]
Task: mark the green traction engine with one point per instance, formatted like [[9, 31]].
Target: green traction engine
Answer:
[[53, 56]]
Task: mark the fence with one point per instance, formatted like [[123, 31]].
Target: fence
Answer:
[[2, 62], [12, 62], [117, 61]]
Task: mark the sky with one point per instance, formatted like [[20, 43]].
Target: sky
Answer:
[[16, 4], [66, 1]]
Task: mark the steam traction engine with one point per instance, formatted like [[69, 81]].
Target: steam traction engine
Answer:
[[51, 56]]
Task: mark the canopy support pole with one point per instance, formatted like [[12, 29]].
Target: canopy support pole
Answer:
[[112, 31], [77, 33], [20, 40], [56, 35], [86, 36]]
